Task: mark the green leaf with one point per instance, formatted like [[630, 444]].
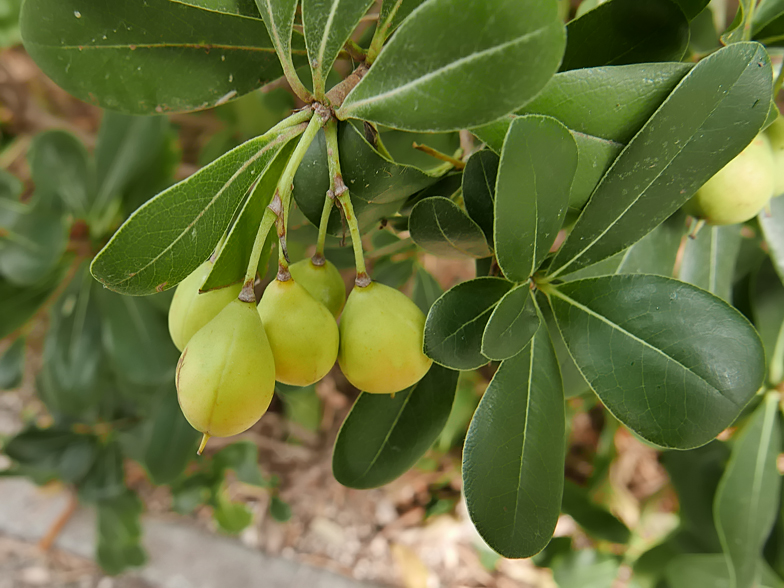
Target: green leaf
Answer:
[[10, 206], [172, 234], [426, 290], [385, 435], [232, 517], [279, 510], [394, 12], [626, 31], [232, 260], [747, 500], [513, 458], [735, 32], [673, 154], [478, 185], [106, 478], [159, 56], [9, 22], [531, 201], [393, 273], [710, 571], [772, 223], [61, 168], [302, 406], [649, 346], [172, 442], [34, 245], [709, 259], [691, 8], [767, 293], [52, 453], [119, 533], [378, 185], [242, 458], [427, 64], [585, 568], [12, 364], [441, 228], [769, 23], [327, 25], [237, 7], [511, 326], [457, 320], [597, 521], [21, 303]]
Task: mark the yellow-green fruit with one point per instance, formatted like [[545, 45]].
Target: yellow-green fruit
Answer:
[[190, 311], [302, 333], [775, 133], [226, 374], [739, 190], [323, 282], [381, 335]]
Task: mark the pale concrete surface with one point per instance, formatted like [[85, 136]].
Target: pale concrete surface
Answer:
[[180, 555]]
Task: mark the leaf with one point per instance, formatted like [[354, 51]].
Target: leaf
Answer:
[[10, 206], [232, 260], [772, 223], [106, 478], [327, 25], [513, 457], [172, 234], [426, 290], [172, 442], [279, 510], [747, 500], [393, 273], [595, 156], [243, 458], [441, 228], [673, 363], [735, 32], [709, 259], [232, 517], [302, 406], [585, 568], [12, 364], [119, 533], [384, 436], [159, 56], [427, 63], [237, 7], [597, 521], [767, 294], [511, 326], [394, 12], [278, 17], [626, 31], [21, 303], [9, 27], [60, 168], [478, 185], [531, 201], [769, 23], [709, 571], [457, 320], [52, 453], [691, 8], [34, 245], [673, 154]]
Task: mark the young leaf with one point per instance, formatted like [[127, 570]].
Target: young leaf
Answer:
[[119, 533], [232, 259], [626, 31], [530, 200], [427, 63], [747, 500], [172, 234], [157, 56], [673, 154], [597, 521], [513, 457], [12, 364], [772, 223], [426, 290], [440, 227], [172, 441], [457, 320], [511, 326], [649, 347], [709, 259], [478, 185], [383, 436], [327, 25], [60, 168]]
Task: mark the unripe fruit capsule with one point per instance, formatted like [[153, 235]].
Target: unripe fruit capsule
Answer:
[[323, 282], [381, 336]]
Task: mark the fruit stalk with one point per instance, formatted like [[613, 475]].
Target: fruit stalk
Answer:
[[344, 199], [318, 257], [248, 294]]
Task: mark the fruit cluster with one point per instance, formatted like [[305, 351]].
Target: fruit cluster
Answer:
[[233, 351], [742, 188]]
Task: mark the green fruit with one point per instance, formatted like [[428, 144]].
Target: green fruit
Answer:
[[226, 374], [302, 333], [775, 133], [381, 336], [739, 190], [323, 282], [190, 311]]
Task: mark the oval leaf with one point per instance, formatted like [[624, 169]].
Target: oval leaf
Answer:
[[513, 458], [673, 363], [383, 436], [440, 227], [457, 320], [427, 64], [511, 326]]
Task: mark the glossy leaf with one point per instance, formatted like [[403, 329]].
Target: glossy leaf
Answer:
[[278, 17], [531, 201], [747, 500], [384, 436], [143, 59], [20, 303], [597, 521], [513, 457], [119, 533], [244, 8], [61, 169], [709, 259], [440, 227], [12, 364], [626, 31], [673, 154], [649, 347], [478, 185], [171, 235], [172, 441], [511, 326], [573, 381], [427, 63], [772, 223], [457, 320], [426, 290], [327, 25], [232, 259], [769, 23], [34, 245]]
